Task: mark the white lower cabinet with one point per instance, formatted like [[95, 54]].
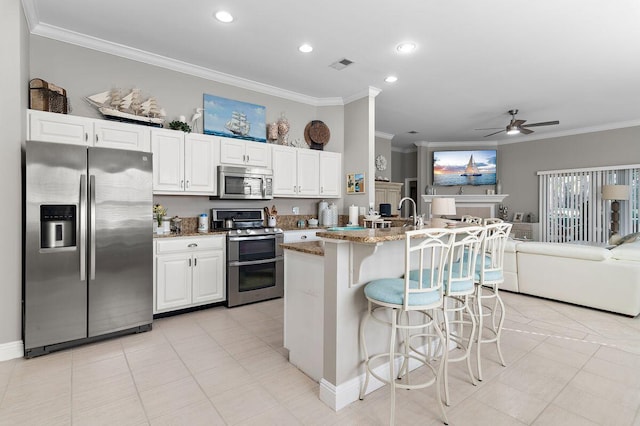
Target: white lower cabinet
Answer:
[[189, 272]]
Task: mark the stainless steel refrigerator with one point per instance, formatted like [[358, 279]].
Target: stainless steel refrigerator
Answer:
[[88, 254]]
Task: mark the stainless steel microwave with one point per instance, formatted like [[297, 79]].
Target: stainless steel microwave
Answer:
[[245, 183]]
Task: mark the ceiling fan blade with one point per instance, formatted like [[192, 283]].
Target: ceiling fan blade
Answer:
[[545, 123], [525, 131], [518, 123], [489, 128], [494, 133]]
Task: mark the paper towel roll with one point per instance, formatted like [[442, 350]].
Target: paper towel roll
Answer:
[[353, 215]]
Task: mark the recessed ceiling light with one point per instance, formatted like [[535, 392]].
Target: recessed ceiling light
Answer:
[[224, 16], [305, 48], [391, 79], [406, 47]]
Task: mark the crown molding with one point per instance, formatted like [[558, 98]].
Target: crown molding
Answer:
[[370, 92], [384, 135], [31, 13], [94, 43], [573, 132], [404, 150], [457, 144]]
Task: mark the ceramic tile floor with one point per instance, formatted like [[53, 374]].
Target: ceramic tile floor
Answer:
[[566, 366]]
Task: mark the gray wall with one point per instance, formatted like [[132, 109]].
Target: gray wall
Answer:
[[404, 165], [383, 147], [359, 149], [83, 72], [519, 162], [13, 86]]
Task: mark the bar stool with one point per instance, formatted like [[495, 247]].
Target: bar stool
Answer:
[[461, 270], [390, 300], [488, 280]]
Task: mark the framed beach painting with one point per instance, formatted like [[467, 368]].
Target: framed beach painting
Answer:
[[234, 119], [355, 183]]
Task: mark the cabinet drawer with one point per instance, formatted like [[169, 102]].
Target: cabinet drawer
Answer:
[[301, 236], [190, 244]]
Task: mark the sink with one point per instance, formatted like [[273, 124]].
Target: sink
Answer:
[[346, 228]]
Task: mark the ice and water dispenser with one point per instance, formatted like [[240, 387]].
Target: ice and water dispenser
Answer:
[[57, 226]]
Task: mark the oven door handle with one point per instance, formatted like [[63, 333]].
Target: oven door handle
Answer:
[[256, 262], [253, 237]]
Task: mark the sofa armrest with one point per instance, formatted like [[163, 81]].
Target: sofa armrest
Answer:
[[626, 252], [573, 251]]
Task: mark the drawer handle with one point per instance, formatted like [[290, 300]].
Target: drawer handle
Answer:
[[304, 237], [193, 245]]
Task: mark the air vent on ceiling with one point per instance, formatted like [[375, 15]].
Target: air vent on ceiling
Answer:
[[341, 64], [412, 132]]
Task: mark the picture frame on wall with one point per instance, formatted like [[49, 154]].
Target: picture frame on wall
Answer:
[[355, 183], [234, 119], [517, 217]]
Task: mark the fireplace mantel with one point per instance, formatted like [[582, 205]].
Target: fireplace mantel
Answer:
[[471, 200]]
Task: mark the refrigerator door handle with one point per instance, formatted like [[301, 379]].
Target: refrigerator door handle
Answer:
[[92, 227], [82, 218]]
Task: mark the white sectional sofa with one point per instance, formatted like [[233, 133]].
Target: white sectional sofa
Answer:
[[597, 277]]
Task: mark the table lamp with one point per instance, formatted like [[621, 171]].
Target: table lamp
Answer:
[[443, 207], [615, 193]]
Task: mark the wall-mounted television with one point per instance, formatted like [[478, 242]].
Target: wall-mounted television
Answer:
[[456, 168]]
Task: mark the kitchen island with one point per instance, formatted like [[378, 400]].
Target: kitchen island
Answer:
[[324, 303]]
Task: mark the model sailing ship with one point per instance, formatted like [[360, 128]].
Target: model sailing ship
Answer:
[[238, 125], [471, 169], [128, 108]]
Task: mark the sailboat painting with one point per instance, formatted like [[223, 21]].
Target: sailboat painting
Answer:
[[234, 119], [455, 168]]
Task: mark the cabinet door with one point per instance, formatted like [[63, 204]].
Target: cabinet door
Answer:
[[109, 134], [308, 173], [168, 160], [173, 281], [331, 174], [200, 170], [258, 154], [232, 151], [284, 171], [393, 198], [208, 276], [60, 128], [380, 197]]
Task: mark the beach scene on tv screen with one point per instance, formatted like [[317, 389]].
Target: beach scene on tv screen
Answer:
[[464, 167]]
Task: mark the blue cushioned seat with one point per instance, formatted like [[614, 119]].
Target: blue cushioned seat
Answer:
[[391, 290], [458, 286]]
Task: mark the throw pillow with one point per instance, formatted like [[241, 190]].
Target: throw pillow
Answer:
[[630, 238]]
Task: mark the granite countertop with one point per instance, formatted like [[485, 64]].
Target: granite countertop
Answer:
[[190, 234], [309, 247], [376, 235]]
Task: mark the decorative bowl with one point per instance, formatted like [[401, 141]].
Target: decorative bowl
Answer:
[[372, 216]]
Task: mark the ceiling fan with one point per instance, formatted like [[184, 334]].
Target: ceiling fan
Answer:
[[517, 126]]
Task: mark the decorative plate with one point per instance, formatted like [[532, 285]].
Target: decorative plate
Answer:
[[381, 162]]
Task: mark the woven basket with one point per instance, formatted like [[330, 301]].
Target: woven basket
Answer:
[[45, 96]]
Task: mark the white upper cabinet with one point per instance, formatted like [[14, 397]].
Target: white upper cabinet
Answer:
[[244, 153], [201, 163], [296, 172], [111, 134], [330, 174], [63, 128], [184, 163], [168, 160]]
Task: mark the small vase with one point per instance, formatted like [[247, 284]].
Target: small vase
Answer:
[[498, 187]]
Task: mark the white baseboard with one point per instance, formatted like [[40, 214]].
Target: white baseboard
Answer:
[[338, 397], [11, 350]]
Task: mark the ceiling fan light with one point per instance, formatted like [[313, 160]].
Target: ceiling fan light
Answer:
[[512, 130]]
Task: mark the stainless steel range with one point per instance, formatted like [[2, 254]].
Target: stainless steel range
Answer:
[[255, 268]]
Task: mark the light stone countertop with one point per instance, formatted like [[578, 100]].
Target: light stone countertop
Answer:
[[379, 235], [190, 234], [309, 247]]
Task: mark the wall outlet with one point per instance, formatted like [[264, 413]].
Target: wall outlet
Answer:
[[295, 210]]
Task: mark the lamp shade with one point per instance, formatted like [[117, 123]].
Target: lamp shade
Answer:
[[443, 206], [615, 192]]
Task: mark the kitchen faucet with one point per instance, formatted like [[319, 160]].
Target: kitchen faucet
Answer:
[[415, 213]]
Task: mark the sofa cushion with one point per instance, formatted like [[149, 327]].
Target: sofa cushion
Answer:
[[575, 251], [627, 252]]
